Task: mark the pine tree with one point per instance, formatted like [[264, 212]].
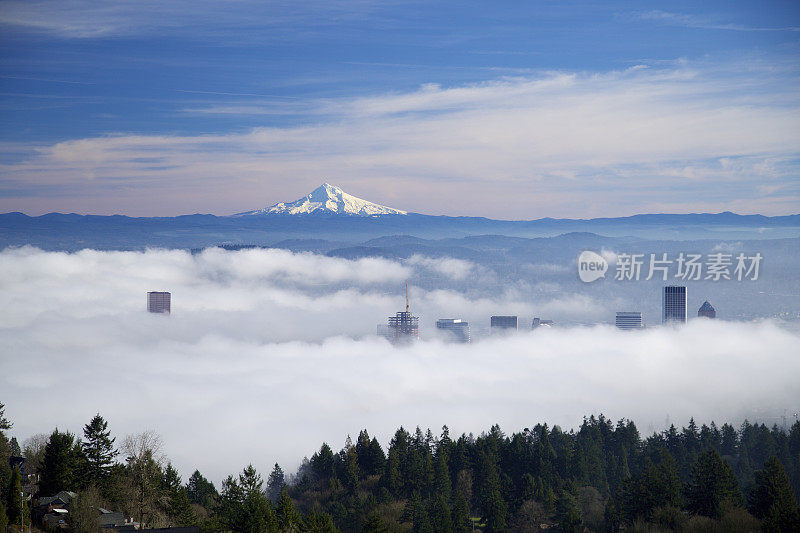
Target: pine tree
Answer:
[[712, 483], [170, 479], [5, 449], [351, 470], [374, 524], [180, 509], [772, 499], [288, 518], [440, 515], [460, 517], [98, 448], [322, 463], [14, 505], [319, 522], [495, 508], [441, 482], [15, 449], [4, 423], [3, 517], [275, 483], [257, 515], [250, 481], [201, 491], [61, 464], [568, 513]]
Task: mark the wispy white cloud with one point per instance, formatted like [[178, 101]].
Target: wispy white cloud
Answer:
[[677, 137], [83, 19], [706, 22]]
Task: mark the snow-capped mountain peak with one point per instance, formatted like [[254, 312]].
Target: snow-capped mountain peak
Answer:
[[327, 199]]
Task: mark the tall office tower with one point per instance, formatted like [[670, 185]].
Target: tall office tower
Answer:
[[674, 304], [629, 320], [707, 310], [403, 327], [453, 329], [538, 322], [503, 323], [158, 302]]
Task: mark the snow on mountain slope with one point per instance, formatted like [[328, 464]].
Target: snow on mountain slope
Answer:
[[327, 199]]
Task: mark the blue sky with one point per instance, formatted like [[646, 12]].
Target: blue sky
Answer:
[[503, 109]]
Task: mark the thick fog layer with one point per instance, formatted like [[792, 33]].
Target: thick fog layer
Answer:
[[268, 353]]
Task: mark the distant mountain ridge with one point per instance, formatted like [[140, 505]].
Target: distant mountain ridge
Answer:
[[329, 200], [330, 214]]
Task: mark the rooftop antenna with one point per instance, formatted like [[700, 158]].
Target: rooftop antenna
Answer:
[[406, 296]]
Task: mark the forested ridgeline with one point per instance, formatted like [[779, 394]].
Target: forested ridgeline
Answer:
[[601, 477]]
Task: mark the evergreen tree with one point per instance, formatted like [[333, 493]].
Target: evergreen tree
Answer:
[[170, 479], [322, 463], [375, 458], [5, 450], [275, 483], [712, 483], [288, 518], [440, 515], [441, 482], [61, 464], [351, 472], [15, 449], [460, 517], [201, 491], [495, 508], [658, 485], [3, 517], [229, 508], [374, 524], [730, 441], [772, 499], [98, 448], [5, 425], [317, 522], [257, 515], [250, 481], [495, 511], [180, 509], [14, 506], [243, 507], [568, 513]]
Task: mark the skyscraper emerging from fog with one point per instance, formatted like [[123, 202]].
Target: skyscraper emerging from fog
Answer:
[[403, 327], [673, 301], [503, 323], [629, 320], [159, 302], [454, 329], [707, 310]]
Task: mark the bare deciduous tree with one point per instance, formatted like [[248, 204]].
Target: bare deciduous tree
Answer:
[[145, 458]]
